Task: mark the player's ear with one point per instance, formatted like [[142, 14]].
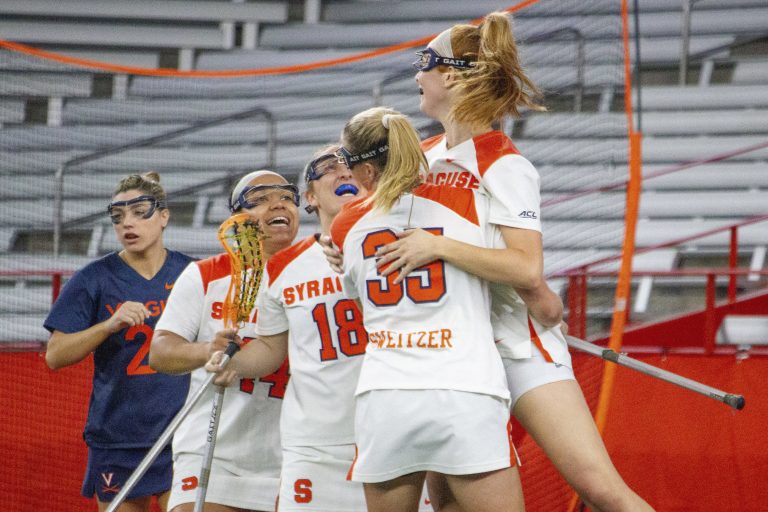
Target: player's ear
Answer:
[[165, 215], [370, 172], [448, 76], [310, 198]]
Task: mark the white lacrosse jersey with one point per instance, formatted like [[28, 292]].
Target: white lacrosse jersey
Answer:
[[491, 163], [326, 342], [248, 433], [432, 331]]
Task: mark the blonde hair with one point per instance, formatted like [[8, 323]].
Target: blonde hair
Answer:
[[399, 169], [148, 183], [497, 85]]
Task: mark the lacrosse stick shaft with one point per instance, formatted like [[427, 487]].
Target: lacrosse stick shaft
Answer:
[[166, 436], [205, 470], [213, 427], [730, 399], [161, 442]]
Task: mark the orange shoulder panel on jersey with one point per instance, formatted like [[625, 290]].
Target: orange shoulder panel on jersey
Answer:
[[431, 142], [491, 146], [281, 259], [213, 268], [350, 213], [460, 200]]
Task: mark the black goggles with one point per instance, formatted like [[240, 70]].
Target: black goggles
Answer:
[[254, 195], [151, 204], [348, 159], [428, 59], [320, 166]]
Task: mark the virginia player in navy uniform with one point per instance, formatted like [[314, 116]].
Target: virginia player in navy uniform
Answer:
[[110, 308]]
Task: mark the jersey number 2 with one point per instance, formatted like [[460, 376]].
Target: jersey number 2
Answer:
[[135, 367]]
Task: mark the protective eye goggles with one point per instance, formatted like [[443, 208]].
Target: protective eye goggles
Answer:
[[320, 166], [428, 59], [254, 196], [349, 159], [150, 202]]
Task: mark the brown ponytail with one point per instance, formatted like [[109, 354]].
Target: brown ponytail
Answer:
[[148, 183], [497, 85]]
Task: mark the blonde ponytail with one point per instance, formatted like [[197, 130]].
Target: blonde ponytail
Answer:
[[402, 173], [398, 170]]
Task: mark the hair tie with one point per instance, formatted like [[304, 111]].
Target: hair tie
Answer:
[[385, 120]]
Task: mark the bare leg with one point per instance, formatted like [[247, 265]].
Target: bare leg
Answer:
[[440, 494], [401, 494], [208, 507], [133, 505], [495, 491], [558, 418]]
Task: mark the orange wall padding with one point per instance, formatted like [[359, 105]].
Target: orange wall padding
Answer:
[[41, 442], [43, 452], [679, 450], [683, 451]]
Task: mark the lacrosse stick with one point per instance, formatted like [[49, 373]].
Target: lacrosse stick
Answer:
[[241, 238], [732, 400]]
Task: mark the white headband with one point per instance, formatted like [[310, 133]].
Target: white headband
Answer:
[[442, 44]]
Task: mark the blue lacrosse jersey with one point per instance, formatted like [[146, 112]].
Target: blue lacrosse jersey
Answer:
[[130, 403]]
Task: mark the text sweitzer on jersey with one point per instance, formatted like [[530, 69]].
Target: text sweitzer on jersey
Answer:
[[434, 339]]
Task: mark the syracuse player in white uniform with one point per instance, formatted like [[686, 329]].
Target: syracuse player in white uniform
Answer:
[[490, 162], [246, 464], [469, 77], [432, 395], [304, 311]]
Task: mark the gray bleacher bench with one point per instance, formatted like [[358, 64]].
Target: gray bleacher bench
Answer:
[[12, 110], [751, 72], [273, 11], [712, 97], [64, 84], [160, 110], [15, 327], [743, 330], [613, 124], [139, 23]]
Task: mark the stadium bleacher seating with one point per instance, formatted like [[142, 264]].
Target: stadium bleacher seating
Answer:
[[82, 113]]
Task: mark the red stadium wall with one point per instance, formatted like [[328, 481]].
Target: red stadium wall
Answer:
[[42, 448], [679, 450], [683, 451]]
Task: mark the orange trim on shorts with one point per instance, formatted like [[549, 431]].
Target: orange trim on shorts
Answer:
[[513, 459], [352, 467], [537, 341]]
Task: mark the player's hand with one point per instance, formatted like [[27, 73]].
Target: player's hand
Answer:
[[128, 314], [332, 254], [222, 339], [225, 377], [414, 249]]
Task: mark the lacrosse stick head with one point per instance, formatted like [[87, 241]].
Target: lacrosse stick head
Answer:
[[241, 238]]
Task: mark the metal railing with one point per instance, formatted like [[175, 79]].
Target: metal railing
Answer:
[[377, 92], [58, 198], [578, 276]]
